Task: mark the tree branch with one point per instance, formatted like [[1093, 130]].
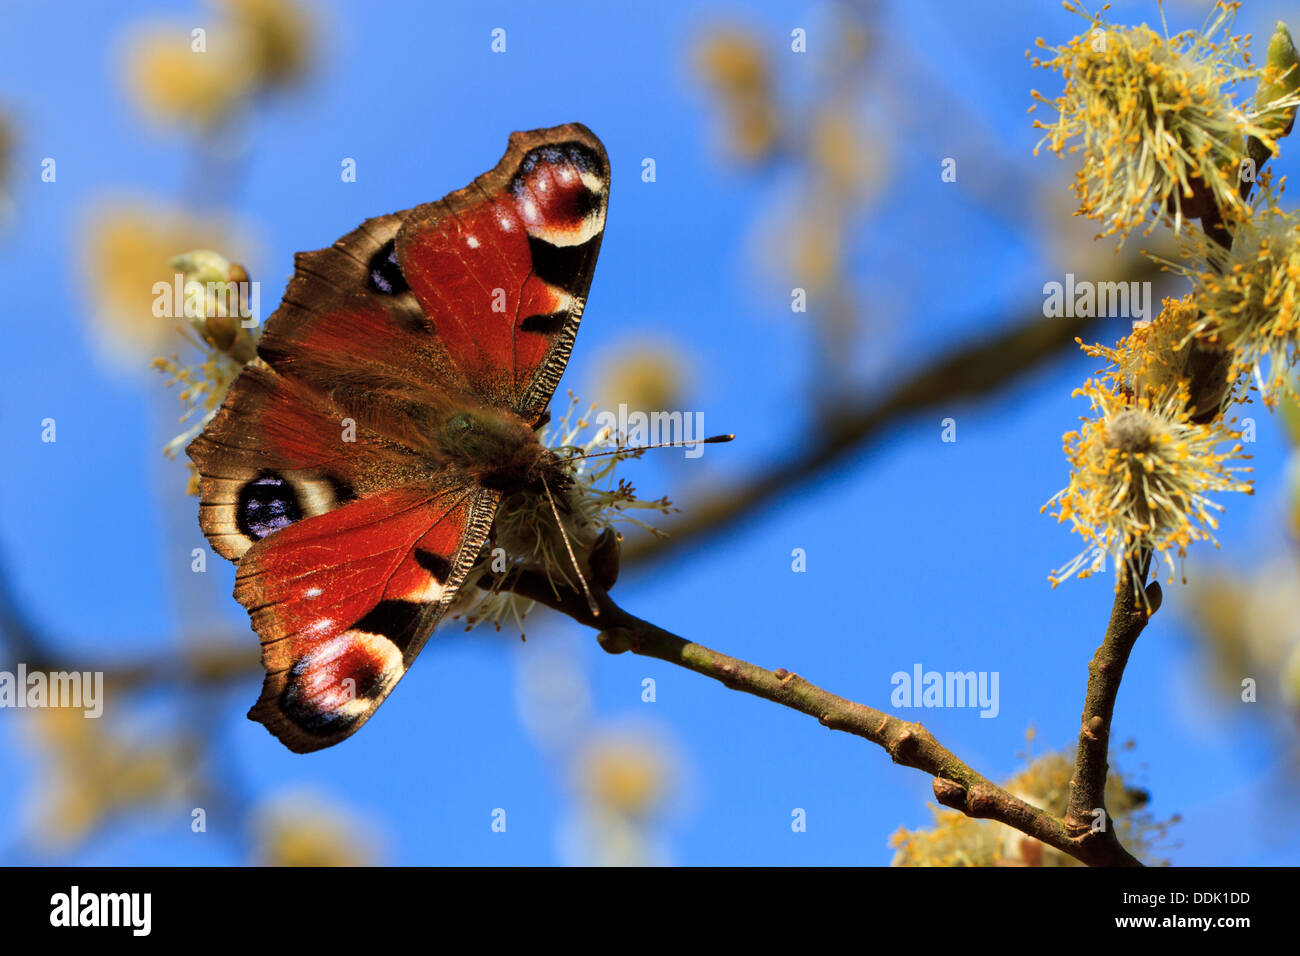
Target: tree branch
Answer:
[[1128, 618], [956, 785], [970, 371]]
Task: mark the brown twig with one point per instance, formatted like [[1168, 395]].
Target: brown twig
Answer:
[[1086, 816], [956, 785]]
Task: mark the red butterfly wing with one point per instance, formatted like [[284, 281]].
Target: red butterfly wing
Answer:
[[502, 267], [343, 602]]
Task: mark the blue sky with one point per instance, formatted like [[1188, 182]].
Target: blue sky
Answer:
[[919, 551]]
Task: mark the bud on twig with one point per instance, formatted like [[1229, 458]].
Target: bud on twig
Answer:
[[1280, 81]]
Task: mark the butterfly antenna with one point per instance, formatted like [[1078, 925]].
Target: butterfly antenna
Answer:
[[591, 601], [713, 440]]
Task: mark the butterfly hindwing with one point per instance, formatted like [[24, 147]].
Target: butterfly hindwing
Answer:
[[343, 602], [502, 267]]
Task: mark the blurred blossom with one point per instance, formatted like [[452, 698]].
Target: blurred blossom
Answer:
[[593, 836], [957, 840], [7, 138], [127, 247], [853, 38], [625, 773], [174, 85], [814, 247], [841, 165], [643, 374], [732, 62], [303, 829], [1289, 416], [621, 779], [624, 779], [252, 47], [551, 692], [1251, 626], [843, 160], [1290, 419], [94, 773], [277, 35], [1291, 678]]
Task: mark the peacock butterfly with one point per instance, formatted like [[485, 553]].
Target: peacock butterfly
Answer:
[[355, 466]]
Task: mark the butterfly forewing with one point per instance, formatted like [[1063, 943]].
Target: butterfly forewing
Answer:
[[502, 267]]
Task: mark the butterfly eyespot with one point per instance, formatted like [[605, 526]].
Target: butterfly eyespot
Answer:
[[267, 504], [560, 194], [332, 686], [574, 154], [385, 275]]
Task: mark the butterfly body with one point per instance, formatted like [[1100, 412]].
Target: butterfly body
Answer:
[[501, 452], [356, 465]]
